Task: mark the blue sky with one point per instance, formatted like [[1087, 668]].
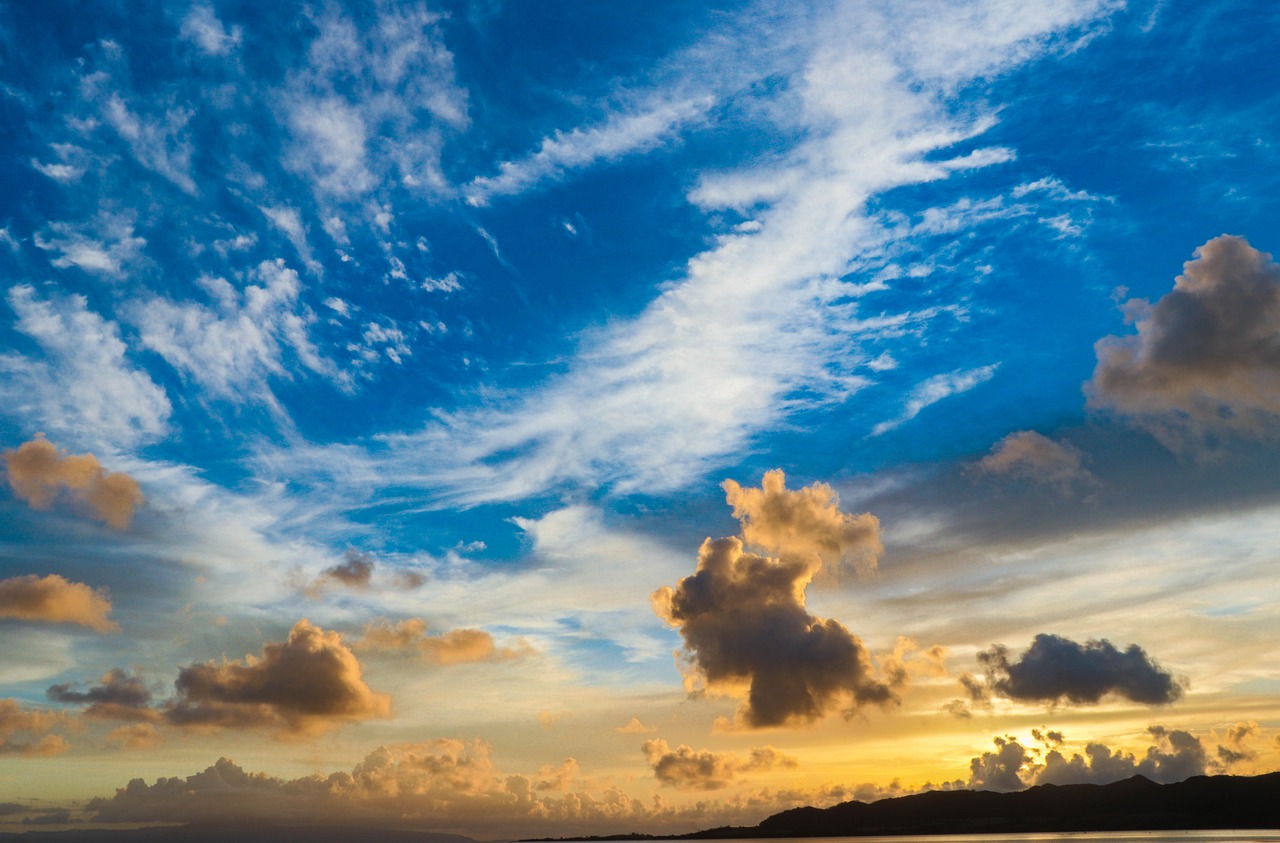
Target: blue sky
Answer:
[[484, 301]]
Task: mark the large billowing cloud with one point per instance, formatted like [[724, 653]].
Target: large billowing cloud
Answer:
[[687, 769], [26, 732], [1206, 358], [117, 696], [39, 474], [456, 646], [1054, 669], [1027, 455], [743, 617], [54, 599], [304, 685]]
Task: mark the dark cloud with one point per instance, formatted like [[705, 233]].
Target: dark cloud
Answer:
[[1236, 751], [743, 616], [305, 685], [119, 696], [1206, 356], [1055, 669], [1027, 455], [1176, 755], [39, 474], [686, 769], [355, 570], [1000, 770], [27, 732], [53, 599]]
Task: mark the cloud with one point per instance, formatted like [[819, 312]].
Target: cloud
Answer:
[[634, 726], [437, 785], [52, 599], [306, 685], [457, 646], [1054, 669], [1205, 360], [354, 571], [135, 736], [1027, 455], [1236, 751], [935, 389], [118, 696], [686, 769], [107, 246], [999, 770], [743, 616], [202, 28], [38, 474], [1176, 755], [21, 728], [621, 134], [249, 337], [85, 385]]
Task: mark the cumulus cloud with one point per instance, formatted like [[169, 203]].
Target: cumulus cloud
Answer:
[[1176, 755], [117, 696], [1056, 669], [635, 726], [354, 571], [743, 617], [304, 685], [456, 646], [686, 769], [26, 732], [1173, 756], [53, 599], [1027, 455], [39, 474], [1236, 750], [439, 785], [1206, 357]]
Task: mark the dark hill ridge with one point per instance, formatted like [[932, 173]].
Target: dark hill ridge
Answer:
[[1136, 804]]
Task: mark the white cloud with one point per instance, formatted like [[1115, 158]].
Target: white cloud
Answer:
[[156, 143], [288, 221], [761, 323], [107, 246], [619, 135], [933, 390], [84, 387], [233, 349], [202, 28]]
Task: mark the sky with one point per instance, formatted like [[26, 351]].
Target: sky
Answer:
[[519, 419]]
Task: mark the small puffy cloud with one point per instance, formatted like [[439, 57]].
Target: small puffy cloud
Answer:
[[1236, 750], [354, 571], [1206, 357], [634, 726], [202, 28], [53, 599], [1054, 669], [805, 522], [1027, 455], [117, 696], [685, 769], [743, 616], [1000, 770], [26, 732], [38, 474], [305, 685], [456, 646]]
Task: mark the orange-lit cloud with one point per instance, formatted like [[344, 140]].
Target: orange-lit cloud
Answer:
[[53, 599], [135, 736], [634, 726], [686, 769], [1205, 359], [1027, 455], [457, 646], [743, 617], [305, 685], [26, 732], [39, 474]]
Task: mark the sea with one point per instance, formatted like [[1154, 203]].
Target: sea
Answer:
[[1217, 836]]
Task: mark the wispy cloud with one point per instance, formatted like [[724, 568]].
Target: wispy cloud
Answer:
[[932, 390]]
